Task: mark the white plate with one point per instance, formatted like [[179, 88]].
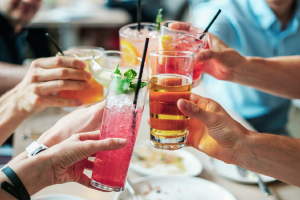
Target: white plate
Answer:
[[191, 163], [57, 197], [177, 188], [230, 172]]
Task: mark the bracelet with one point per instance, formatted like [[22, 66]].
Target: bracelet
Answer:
[[12, 176], [10, 189]]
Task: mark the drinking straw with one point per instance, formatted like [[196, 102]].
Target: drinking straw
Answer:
[[138, 85], [53, 42], [211, 22], [139, 15]]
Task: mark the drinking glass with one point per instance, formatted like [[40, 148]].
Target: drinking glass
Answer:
[[171, 75], [95, 92], [184, 40], [121, 119], [103, 65], [132, 41]]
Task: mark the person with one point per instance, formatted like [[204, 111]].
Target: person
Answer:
[[34, 93], [14, 16], [215, 133], [263, 28]]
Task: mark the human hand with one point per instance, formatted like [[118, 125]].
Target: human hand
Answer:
[[47, 76], [84, 119], [64, 162], [211, 129]]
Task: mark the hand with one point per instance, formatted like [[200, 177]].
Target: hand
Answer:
[[219, 60], [83, 119], [211, 129], [47, 76]]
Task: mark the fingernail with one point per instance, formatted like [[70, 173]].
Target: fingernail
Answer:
[[88, 85], [122, 142], [82, 65], [79, 102], [88, 75], [185, 104]]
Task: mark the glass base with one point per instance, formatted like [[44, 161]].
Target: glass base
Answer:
[[106, 187], [168, 143]]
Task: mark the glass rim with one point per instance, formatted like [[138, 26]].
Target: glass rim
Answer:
[[135, 24], [182, 31], [85, 48], [117, 52], [187, 53]]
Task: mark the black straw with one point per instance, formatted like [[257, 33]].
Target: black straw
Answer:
[[209, 25], [139, 15], [138, 85], [53, 42]]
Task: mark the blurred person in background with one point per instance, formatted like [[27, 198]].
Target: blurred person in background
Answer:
[[264, 28], [14, 16]]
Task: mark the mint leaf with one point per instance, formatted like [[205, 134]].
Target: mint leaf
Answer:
[[117, 71], [130, 74], [134, 85], [159, 18]]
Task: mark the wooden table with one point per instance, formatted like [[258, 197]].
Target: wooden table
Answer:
[[280, 190]]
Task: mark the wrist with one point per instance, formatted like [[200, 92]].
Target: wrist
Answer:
[[49, 138]]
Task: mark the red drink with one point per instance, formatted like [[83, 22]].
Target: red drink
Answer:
[[117, 123]]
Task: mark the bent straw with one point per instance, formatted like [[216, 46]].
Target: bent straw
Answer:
[[53, 42], [211, 22]]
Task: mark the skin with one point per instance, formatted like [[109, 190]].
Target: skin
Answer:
[[215, 133], [64, 162], [45, 77]]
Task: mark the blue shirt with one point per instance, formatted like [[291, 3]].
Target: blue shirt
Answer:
[[251, 28]]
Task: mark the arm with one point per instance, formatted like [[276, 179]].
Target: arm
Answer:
[[278, 76], [215, 133], [10, 76], [61, 163]]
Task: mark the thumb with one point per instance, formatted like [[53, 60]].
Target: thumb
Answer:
[[192, 110], [207, 54]]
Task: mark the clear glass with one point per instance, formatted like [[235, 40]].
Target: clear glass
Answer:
[[184, 40], [95, 93], [171, 75], [121, 119], [103, 65], [132, 41]]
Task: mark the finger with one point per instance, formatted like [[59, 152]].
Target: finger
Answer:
[[206, 55], [192, 110], [45, 88], [180, 26], [56, 62], [93, 135], [62, 74], [51, 101], [89, 165]]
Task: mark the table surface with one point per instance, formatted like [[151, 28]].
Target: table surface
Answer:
[[280, 190]]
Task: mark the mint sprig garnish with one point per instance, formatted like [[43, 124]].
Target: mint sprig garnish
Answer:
[[159, 18], [126, 84]]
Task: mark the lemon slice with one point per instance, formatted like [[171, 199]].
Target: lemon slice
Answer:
[[128, 48], [166, 41]]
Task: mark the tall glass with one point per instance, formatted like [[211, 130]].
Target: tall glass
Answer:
[[95, 92], [132, 41], [168, 125], [121, 119], [184, 40], [103, 65]]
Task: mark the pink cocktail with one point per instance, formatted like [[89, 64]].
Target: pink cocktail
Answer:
[[185, 39], [121, 119]]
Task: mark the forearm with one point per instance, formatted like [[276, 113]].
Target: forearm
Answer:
[[278, 76], [10, 76], [33, 172], [272, 155], [10, 118]]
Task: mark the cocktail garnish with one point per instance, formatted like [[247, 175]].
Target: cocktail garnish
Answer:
[[159, 18], [127, 84]]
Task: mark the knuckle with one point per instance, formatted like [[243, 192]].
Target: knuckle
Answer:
[[38, 100], [58, 61], [108, 143], [196, 110], [64, 72], [60, 102], [62, 83], [35, 63], [35, 88]]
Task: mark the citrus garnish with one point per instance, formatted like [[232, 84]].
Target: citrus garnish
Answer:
[[128, 48]]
